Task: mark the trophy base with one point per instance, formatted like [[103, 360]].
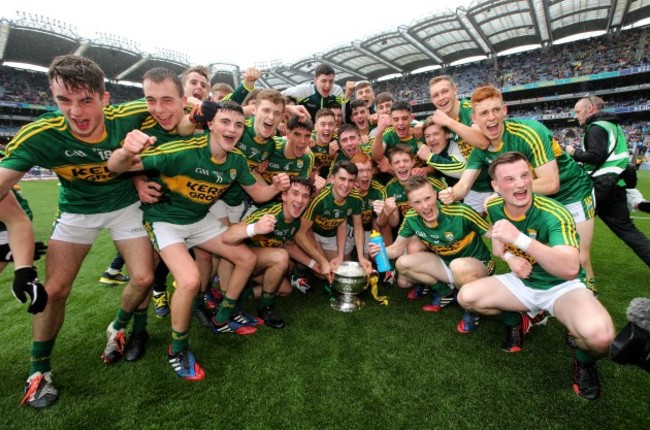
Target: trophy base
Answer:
[[347, 303]]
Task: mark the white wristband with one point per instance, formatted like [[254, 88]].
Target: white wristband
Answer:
[[250, 230], [523, 242], [312, 263], [507, 256]]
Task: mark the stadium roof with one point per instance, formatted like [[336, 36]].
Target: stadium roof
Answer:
[[483, 29]]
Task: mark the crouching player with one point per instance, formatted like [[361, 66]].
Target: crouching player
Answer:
[[537, 237], [194, 174], [274, 248], [451, 249]]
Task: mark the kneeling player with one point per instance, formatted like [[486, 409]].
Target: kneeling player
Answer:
[[274, 248], [537, 237], [452, 252]]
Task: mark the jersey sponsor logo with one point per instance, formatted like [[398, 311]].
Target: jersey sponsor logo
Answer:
[[327, 223], [74, 153], [197, 191], [86, 172]]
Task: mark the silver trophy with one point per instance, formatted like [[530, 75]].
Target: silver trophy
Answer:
[[350, 279]]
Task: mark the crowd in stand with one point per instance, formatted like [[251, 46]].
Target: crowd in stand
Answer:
[[583, 57]]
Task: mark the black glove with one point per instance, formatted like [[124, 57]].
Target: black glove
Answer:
[[204, 112], [27, 284], [7, 257]]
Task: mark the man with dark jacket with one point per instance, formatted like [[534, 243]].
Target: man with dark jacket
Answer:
[[605, 157]]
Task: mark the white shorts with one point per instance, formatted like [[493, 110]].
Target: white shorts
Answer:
[[222, 210], [4, 237], [349, 241], [583, 210], [328, 243], [537, 300], [163, 234], [475, 200], [122, 224]]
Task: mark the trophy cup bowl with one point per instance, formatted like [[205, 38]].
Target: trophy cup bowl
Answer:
[[350, 279]]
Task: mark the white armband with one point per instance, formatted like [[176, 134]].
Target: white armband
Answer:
[[523, 242], [250, 230], [312, 263], [507, 256]]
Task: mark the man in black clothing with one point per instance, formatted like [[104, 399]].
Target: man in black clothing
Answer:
[[604, 157]]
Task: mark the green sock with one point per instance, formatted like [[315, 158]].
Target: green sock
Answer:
[[266, 299], [510, 318], [180, 341], [198, 301], [246, 295], [39, 354], [442, 288], [584, 358], [122, 319], [139, 320], [225, 310]]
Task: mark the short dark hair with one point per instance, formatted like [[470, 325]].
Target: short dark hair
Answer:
[[346, 165], [401, 105], [360, 103], [201, 70], [230, 106], [301, 180], [77, 73], [399, 148], [158, 75], [347, 127], [415, 183], [334, 105], [323, 69], [295, 122], [384, 97], [505, 158], [323, 112]]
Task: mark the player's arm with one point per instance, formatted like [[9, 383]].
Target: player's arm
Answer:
[[462, 187], [20, 231], [263, 193], [201, 113], [547, 178], [396, 249], [239, 232], [341, 237], [471, 135], [8, 178], [378, 147], [315, 253], [561, 260], [127, 158]]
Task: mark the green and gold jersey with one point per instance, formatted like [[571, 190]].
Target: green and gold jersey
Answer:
[[192, 179], [395, 189], [376, 192], [483, 183], [391, 139], [458, 232], [534, 140], [546, 221], [327, 215], [322, 157], [87, 186], [340, 156], [465, 118], [279, 163], [256, 152], [283, 232]]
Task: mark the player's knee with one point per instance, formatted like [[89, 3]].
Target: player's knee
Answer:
[[143, 279], [598, 335], [402, 264], [466, 297], [57, 291]]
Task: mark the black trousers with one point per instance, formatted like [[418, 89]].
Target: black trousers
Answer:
[[615, 214]]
